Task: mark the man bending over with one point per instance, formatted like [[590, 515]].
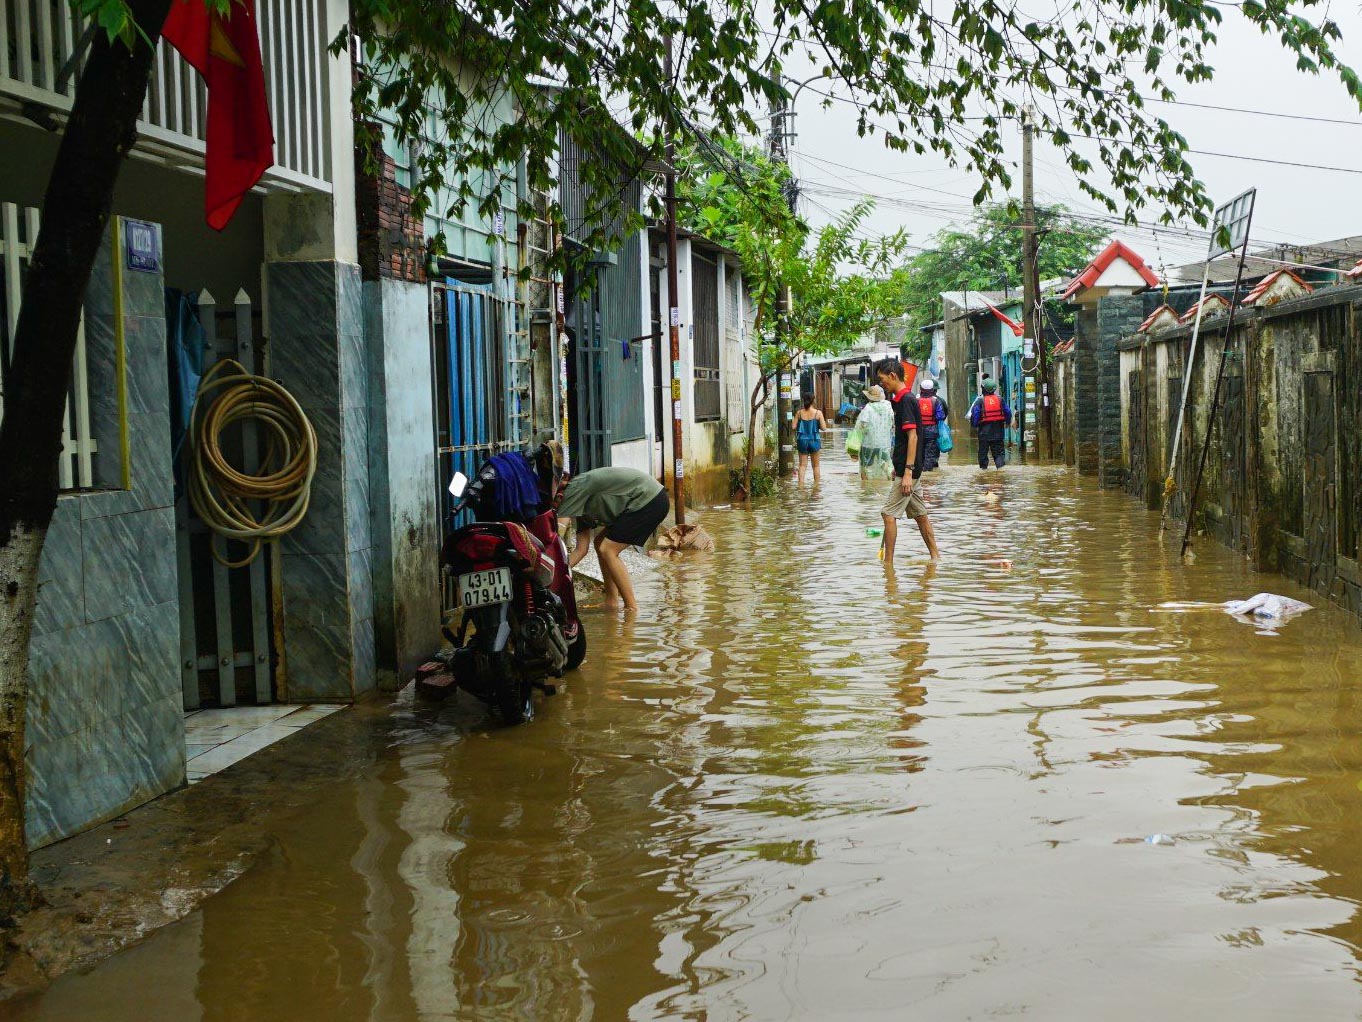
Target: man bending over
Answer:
[[624, 507]]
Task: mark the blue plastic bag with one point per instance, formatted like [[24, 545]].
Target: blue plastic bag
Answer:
[[944, 441]]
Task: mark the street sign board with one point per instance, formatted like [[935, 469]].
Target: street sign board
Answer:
[[1234, 218], [144, 252]]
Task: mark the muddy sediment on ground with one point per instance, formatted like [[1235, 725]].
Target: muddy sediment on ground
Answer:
[[112, 886]]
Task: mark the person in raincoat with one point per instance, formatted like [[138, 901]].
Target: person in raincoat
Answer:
[[876, 425]]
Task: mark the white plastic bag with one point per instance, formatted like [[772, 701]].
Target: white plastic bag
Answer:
[[1267, 606]]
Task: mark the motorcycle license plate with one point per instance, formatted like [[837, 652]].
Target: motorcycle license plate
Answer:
[[485, 588]]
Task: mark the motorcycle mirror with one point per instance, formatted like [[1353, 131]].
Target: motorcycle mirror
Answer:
[[458, 484]]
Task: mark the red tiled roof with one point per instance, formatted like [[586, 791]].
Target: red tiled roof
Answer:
[[1116, 250], [1268, 281], [1144, 327], [1220, 303]]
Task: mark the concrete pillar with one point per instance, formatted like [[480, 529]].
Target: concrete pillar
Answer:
[[1085, 392], [404, 492], [1118, 317], [316, 336], [1096, 367], [315, 327]]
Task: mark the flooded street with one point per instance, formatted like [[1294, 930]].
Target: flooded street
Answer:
[[797, 787]]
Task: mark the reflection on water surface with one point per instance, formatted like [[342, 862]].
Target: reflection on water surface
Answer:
[[795, 787]]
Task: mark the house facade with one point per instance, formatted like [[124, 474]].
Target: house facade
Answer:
[[410, 360], [716, 373], [135, 624], [978, 337]]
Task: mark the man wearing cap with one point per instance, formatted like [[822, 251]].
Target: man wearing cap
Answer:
[[931, 410], [990, 415]]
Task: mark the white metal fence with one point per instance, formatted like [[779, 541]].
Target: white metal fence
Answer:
[[38, 37], [18, 234]]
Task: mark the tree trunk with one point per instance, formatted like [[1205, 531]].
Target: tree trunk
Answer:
[[100, 132], [756, 403]]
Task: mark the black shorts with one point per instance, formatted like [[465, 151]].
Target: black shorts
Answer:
[[635, 528]]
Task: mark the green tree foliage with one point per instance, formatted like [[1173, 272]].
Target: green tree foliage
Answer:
[[951, 79], [841, 284], [987, 256]]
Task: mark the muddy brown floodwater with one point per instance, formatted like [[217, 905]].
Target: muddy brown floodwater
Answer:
[[797, 788]]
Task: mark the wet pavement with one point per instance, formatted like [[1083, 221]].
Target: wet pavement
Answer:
[[797, 787]]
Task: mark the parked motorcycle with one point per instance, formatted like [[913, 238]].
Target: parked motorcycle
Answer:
[[520, 626]]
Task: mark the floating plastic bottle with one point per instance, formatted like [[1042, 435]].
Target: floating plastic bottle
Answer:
[[874, 531]]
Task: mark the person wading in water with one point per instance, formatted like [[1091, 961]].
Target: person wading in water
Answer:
[[876, 423], [931, 410], [624, 507], [990, 415], [809, 427], [903, 498]]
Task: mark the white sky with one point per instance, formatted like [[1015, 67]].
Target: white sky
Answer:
[[1252, 72]]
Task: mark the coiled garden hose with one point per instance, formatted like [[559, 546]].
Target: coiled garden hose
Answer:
[[220, 493]]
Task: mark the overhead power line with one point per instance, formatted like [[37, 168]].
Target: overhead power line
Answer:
[[1232, 156], [1247, 111]]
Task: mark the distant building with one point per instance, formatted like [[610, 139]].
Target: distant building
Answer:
[[1311, 262]]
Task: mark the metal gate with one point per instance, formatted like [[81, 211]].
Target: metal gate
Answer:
[[705, 349], [592, 393], [472, 409], [226, 654], [1321, 481]]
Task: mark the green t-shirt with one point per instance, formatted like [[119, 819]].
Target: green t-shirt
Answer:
[[600, 496]]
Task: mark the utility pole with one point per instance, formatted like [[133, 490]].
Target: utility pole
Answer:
[[785, 395], [1034, 330], [674, 313]]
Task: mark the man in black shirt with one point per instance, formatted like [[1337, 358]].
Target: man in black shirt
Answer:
[[909, 450]]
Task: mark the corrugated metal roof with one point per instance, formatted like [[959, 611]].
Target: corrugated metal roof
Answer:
[[973, 300]]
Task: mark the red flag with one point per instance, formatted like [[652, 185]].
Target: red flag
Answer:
[[1017, 328], [225, 50]]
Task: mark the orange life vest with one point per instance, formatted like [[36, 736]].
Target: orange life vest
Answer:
[[992, 410], [926, 408]]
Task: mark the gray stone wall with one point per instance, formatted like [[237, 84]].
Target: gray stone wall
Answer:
[[105, 715], [1085, 415], [317, 351], [1118, 316], [404, 493], [1279, 482]]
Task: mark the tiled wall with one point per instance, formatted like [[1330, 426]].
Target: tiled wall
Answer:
[[404, 493], [105, 715], [317, 350]]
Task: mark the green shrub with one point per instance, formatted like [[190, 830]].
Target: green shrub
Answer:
[[764, 482]]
